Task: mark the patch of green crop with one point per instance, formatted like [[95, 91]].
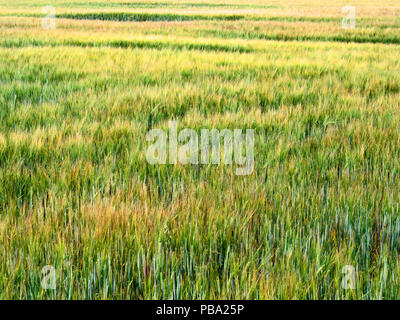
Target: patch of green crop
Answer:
[[77, 194]]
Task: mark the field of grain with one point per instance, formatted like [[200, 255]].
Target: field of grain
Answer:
[[77, 193]]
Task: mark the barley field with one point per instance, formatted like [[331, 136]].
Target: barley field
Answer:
[[76, 191]]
